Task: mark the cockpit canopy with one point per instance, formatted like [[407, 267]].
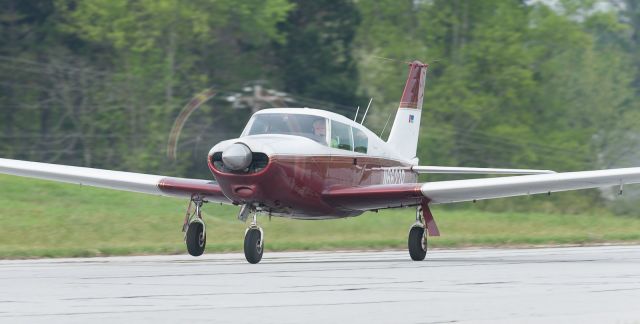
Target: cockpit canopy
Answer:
[[320, 129], [313, 127]]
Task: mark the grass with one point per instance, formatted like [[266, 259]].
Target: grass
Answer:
[[47, 219]]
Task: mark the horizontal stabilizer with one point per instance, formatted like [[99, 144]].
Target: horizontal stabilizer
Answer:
[[459, 170]]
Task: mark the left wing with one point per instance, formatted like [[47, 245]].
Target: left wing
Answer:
[[126, 181], [440, 192]]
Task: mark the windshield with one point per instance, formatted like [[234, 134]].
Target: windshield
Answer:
[[309, 126]]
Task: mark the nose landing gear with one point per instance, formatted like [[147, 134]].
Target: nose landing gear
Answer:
[[195, 231], [253, 242]]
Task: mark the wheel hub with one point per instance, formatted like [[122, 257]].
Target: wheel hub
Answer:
[[259, 246], [201, 239]]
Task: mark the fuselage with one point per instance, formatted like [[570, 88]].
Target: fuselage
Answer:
[[292, 162]]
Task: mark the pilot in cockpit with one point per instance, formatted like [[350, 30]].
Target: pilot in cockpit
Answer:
[[320, 130]]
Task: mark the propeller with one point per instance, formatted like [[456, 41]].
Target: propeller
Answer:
[[186, 111]]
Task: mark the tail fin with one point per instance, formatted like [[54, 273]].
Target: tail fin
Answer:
[[406, 126]]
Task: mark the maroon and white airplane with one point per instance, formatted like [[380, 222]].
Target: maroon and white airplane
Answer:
[[312, 164]]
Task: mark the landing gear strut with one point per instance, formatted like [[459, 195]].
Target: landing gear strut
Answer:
[[195, 232], [253, 242], [418, 238], [425, 223]]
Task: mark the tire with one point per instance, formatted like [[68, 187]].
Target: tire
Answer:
[[196, 239], [417, 244], [253, 245]]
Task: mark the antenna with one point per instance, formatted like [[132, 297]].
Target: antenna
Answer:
[[390, 59], [385, 124], [357, 110], [366, 111]]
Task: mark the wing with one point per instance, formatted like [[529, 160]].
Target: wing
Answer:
[[440, 192], [127, 181], [461, 170]]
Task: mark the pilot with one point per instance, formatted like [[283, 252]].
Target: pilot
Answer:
[[320, 130]]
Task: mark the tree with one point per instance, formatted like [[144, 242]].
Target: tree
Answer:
[[166, 51], [316, 59]]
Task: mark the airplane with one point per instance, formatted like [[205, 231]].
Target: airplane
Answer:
[[312, 164]]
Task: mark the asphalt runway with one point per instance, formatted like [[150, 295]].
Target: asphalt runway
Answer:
[[578, 284]]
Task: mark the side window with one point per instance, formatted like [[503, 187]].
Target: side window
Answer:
[[341, 136], [360, 141]]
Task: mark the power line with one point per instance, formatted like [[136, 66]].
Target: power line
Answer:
[[49, 64]]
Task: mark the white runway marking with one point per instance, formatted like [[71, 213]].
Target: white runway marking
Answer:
[[582, 284]]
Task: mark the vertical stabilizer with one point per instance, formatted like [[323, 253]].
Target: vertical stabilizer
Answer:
[[406, 126]]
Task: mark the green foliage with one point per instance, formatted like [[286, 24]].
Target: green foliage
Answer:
[[316, 58], [511, 83], [114, 75]]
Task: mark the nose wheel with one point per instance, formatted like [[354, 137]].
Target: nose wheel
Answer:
[[195, 231], [253, 242]]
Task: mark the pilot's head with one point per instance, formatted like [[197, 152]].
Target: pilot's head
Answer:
[[319, 127]]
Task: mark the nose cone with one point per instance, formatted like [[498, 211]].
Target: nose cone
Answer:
[[237, 157]]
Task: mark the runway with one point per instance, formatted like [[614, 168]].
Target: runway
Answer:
[[578, 284]]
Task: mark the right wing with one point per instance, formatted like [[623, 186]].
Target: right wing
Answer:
[[441, 192], [477, 189], [126, 181]]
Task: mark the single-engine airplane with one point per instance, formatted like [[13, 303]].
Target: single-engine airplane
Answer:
[[312, 164]]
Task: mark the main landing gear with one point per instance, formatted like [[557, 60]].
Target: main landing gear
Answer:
[[195, 232], [425, 223], [253, 241], [418, 238]]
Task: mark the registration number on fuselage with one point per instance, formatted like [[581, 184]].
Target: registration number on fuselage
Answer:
[[393, 176]]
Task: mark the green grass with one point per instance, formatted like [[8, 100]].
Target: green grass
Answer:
[[47, 219]]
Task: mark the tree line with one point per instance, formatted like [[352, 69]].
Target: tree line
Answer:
[[529, 84]]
